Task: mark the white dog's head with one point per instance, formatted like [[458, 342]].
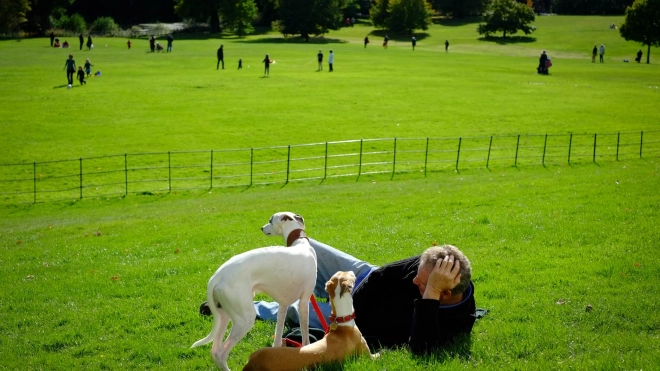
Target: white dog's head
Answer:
[[281, 224]]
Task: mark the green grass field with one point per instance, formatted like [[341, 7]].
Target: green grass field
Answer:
[[115, 283]]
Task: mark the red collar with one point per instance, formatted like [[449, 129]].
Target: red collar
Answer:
[[342, 319], [295, 235]]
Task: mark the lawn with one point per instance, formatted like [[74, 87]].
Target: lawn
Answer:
[[115, 282]]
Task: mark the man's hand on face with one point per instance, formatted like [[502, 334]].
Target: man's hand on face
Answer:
[[444, 277]]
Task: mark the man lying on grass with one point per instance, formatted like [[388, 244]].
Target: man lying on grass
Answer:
[[424, 302]]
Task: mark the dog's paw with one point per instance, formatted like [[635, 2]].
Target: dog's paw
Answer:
[[375, 355]]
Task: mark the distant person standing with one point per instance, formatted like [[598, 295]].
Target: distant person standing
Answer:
[[319, 58], [88, 67], [543, 64], [267, 63], [152, 43], [387, 38], [82, 40], [221, 58], [70, 67], [52, 38], [639, 56], [331, 60], [240, 64], [601, 51], [170, 39], [366, 41], [414, 42], [594, 52], [89, 42], [129, 43], [446, 45]]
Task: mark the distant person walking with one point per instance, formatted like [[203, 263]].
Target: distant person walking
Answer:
[[152, 43], [89, 42], [387, 38], [221, 58], [81, 75], [594, 52], [240, 64], [543, 64], [601, 51], [639, 56], [170, 39], [82, 40], [52, 38], [366, 41], [267, 63], [129, 43], [414, 42], [446, 45], [331, 60], [70, 67], [319, 58]]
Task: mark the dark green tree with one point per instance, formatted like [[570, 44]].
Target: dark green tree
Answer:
[[238, 15], [460, 8], [42, 10], [12, 13], [308, 17], [506, 16], [409, 15], [201, 10], [587, 7], [642, 24], [380, 13]]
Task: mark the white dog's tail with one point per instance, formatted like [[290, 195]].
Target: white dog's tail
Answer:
[[217, 318]]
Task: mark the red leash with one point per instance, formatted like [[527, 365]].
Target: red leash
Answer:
[[319, 314]]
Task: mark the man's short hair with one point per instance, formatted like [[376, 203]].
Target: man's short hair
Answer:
[[431, 256]]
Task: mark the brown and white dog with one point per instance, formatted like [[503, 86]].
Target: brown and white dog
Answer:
[[343, 340], [286, 274]]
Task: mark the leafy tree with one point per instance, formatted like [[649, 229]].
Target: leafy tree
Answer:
[[460, 8], [308, 17], [12, 13], [202, 10], [409, 15], [75, 23], [104, 25], [506, 16], [642, 24], [380, 13], [42, 11], [238, 15]]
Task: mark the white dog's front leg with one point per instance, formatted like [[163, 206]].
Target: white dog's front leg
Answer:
[[279, 329]]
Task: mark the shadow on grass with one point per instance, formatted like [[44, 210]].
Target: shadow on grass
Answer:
[[508, 40], [456, 22], [293, 40], [401, 37], [462, 350]]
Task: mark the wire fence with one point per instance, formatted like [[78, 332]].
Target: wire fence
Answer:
[[161, 172]]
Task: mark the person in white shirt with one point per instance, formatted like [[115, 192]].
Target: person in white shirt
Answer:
[[331, 60]]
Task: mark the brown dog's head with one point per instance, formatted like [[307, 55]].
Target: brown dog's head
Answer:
[[340, 283]]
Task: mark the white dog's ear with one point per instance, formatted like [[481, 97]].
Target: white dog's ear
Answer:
[[300, 219]]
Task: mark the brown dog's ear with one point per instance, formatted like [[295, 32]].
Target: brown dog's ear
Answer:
[[300, 219], [330, 288]]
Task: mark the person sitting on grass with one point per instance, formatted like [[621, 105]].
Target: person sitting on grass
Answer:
[[424, 302]]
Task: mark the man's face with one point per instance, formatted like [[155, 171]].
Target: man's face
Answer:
[[422, 278]]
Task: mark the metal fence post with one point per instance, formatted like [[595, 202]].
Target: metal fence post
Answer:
[[251, 162], [458, 154], [211, 169], [618, 137], [394, 160], [169, 171], [325, 165], [641, 141], [570, 143], [288, 160], [426, 157], [34, 173], [126, 175], [594, 159], [489, 147], [360, 165], [515, 162], [81, 178], [545, 143]]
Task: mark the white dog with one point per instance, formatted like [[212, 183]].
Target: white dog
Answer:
[[286, 274]]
